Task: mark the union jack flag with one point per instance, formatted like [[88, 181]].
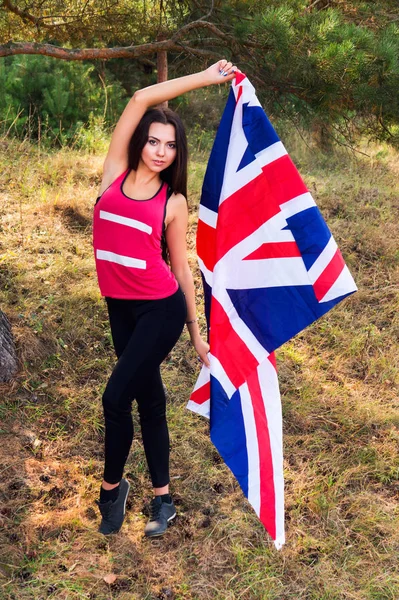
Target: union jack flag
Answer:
[[270, 267]]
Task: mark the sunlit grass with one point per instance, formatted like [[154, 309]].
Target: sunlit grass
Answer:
[[339, 383]]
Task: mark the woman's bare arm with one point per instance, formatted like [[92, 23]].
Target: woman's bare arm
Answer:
[[176, 241], [117, 158]]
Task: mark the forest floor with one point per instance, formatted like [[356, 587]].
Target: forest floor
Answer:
[[339, 383]]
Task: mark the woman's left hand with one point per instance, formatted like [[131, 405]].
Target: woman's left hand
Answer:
[[221, 71], [202, 349]]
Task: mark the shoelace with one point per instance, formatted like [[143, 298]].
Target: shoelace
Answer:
[[155, 509]]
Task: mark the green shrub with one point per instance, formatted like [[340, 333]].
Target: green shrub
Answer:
[[55, 101]]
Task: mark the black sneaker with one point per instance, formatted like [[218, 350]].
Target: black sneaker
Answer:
[[161, 514], [113, 512]]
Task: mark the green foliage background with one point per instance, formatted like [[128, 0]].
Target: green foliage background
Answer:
[[54, 100], [329, 65], [322, 65]]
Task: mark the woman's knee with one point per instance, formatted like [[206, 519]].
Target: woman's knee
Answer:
[[152, 411], [115, 403]]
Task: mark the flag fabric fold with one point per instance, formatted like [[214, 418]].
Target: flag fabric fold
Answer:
[[270, 267]]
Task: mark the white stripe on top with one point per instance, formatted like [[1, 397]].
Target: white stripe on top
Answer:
[[119, 259], [125, 221]]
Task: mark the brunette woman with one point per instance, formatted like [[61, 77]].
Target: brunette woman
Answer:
[[141, 211]]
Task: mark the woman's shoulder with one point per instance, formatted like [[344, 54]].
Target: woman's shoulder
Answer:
[[176, 197], [177, 203], [177, 209]]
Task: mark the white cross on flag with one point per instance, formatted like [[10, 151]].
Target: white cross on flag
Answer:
[[270, 268]]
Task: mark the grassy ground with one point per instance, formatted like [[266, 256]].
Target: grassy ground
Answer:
[[339, 383]]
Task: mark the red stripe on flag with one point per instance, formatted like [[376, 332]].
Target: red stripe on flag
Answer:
[[237, 360], [239, 77], [259, 200], [275, 250], [202, 394], [272, 358], [284, 180], [267, 494], [206, 244], [329, 276], [244, 212]]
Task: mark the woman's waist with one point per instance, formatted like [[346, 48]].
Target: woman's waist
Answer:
[[118, 281]]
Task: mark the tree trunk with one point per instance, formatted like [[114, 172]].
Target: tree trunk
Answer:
[[8, 356], [162, 66]]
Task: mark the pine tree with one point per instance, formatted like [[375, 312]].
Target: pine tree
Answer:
[[330, 62]]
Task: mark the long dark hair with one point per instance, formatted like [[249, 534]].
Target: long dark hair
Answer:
[[176, 174]]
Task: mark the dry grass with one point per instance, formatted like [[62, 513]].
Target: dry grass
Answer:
[[339, 382]]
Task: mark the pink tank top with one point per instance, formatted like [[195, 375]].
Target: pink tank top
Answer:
[[127, 245]]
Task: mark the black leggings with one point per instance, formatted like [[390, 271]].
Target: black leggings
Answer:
[[143, 332]]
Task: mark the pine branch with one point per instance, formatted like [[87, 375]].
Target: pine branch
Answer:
[[64, 19], [209, 13], [12, 48], [308, 8], [198, 24], [25, 15]]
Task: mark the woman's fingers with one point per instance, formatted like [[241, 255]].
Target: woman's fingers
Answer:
[[223, 70], [228, 70], [225, 67], [204, 358]]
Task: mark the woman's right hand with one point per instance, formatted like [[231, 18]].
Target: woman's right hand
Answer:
[[221, 72], [202, 349]]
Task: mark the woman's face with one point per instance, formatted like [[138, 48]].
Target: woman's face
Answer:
[[160, 150]]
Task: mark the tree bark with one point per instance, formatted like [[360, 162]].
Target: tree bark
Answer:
[[162, 67], [12, 48], [8, 356], [175, 43]]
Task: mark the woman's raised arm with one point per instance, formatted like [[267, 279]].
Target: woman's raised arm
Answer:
[[117, 158]]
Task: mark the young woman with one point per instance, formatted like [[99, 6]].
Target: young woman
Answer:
[[141, 209]]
